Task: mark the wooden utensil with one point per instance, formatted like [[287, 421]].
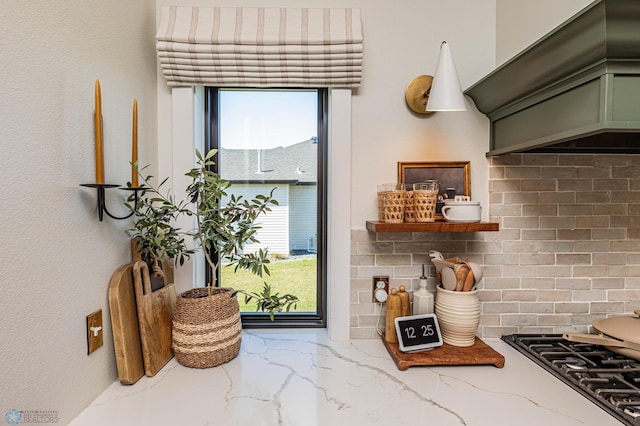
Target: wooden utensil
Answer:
[[613, 345], [124, 324], [620, 334], [448, 279], [461, 271], [155, 316], [469, 281]]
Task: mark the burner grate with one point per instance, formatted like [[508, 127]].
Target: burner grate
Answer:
[[609, 380]]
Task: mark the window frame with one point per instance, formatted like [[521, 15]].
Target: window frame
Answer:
[[211, 141]]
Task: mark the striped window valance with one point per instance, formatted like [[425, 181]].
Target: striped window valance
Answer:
[[260, 47]]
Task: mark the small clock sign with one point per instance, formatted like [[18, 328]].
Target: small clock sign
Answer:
[[418, 332]]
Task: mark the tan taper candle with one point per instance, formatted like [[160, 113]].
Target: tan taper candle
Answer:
[[98, 128], [134, 146]]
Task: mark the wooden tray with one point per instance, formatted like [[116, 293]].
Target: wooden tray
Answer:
[[478, 354]]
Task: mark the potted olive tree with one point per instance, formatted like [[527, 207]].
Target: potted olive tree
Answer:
[[207, 326]]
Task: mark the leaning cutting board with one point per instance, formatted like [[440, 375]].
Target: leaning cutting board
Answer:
[[124, 324], [155, 317]]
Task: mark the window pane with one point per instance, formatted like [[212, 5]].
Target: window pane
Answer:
[[267, 142]]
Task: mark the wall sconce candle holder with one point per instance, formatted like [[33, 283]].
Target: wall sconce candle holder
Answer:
[[102, 206]]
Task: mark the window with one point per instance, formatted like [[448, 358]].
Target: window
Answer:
[[276, 138]]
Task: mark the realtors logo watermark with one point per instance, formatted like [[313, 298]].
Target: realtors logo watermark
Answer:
[[14, 417]]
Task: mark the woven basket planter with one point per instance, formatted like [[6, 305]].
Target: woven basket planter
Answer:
[[207, 330]]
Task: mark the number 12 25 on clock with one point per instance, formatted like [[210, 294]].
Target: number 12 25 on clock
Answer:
[[418, 332]]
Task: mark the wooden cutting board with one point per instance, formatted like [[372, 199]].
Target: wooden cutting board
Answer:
[[478, 354], [167, 266], [155, 317], [124, 324]]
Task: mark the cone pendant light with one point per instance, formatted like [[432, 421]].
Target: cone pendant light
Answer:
[[446, 93]]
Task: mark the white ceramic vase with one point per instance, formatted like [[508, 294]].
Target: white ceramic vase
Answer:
[[458, 314]]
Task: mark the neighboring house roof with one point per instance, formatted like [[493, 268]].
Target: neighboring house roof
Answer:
[[294, 163]]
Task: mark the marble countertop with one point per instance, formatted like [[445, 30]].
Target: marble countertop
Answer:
[[300, 377]]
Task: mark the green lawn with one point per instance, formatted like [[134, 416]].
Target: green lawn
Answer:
[[297, 277]]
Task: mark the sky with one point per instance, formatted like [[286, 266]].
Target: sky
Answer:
[[266, 119]]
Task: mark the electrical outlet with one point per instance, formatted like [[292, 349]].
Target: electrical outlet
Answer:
[[94, 331], [381, 286]]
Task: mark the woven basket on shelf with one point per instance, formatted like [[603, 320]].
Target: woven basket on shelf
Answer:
[[424, 203], [393, 206], [207, 330]]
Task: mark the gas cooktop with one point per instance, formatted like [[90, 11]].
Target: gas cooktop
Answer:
[[610, 380]]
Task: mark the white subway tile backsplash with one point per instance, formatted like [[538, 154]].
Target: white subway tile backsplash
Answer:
[[362, 260], [555, 271], [571, 185], [606, 307], [559, 172], [568, 249], [519, 295], [593, 222], [574, 234], [631, 283], [540, 160], [490, 283], [540, 185], [623, 295], [573, 259], [589, 295], [592, 246], [393, 259], [538, 283], [554, 295], [594, 271], [538, 234], [530, 222], [572, 308], [488, 295], [522, 172], [535, 308], [631, 306], [499, 307], [519, 320], [558, 197], [520, 198], [554, 319], [611, 184], [607, 283], [555, 222], [610, 258], [536, 259], [584, 160], [573, 284]]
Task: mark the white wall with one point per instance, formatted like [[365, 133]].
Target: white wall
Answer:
[[57, 257], [522, 22], [401, 43]]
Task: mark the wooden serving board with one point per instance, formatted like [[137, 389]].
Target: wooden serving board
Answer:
[[124, 324], [167, 266], [155, 317], [478, 354]]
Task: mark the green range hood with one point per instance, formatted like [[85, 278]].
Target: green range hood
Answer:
[[575, 90]]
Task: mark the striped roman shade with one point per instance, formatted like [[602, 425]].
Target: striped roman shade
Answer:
[[260, 47]]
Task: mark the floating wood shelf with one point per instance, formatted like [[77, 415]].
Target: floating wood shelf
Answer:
[[432, 227]]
